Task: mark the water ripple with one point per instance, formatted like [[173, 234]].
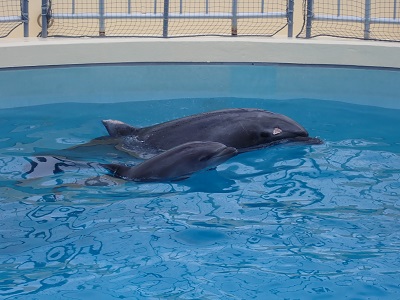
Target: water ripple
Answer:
[[308, 222]]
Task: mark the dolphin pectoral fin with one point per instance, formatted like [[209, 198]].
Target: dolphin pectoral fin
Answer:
[[116, 170], [117, 128]]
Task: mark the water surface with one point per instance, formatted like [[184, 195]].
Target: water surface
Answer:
[[287, 222]]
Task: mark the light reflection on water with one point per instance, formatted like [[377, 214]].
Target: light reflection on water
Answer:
[[295, 222]]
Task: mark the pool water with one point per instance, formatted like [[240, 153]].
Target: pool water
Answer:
[[286, 222]]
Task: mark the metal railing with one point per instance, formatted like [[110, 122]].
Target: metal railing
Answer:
[[166, 15], [367, 13], [362, 19], [19, 14]]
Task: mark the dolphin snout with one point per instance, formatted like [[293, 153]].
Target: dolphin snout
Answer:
[[299, 130]]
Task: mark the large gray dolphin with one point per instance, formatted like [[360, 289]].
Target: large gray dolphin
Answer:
[[176, 163], [242, 128]]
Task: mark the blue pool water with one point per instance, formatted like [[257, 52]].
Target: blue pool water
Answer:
[[287, 222]]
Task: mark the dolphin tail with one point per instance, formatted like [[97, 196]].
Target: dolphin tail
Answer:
[[117, 128]]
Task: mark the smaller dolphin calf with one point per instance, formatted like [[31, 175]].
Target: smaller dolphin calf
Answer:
[[177, 163]]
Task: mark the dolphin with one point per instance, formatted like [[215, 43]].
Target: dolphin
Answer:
[[175, 164], [245, 129]]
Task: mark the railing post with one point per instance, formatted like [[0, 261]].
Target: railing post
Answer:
[[310, 15], [25, 16], [367, 20], [45, 9], [102, 21], [165, 18], [290, 17], [234, 29]]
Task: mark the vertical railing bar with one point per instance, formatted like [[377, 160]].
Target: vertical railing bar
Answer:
[[73, 7], [44, 18], [394, 9], [290, 17], [25, 16], [155, 6], [207, 7], [165, 18], [338, 8], [102, 21], [310, 15], [234, 29], [367, 19], [262, 6], [180, 6], [129, 6]]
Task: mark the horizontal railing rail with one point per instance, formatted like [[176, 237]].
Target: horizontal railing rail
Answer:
[[171, 16]]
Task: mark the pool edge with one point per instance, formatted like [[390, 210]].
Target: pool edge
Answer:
[[54, 51]]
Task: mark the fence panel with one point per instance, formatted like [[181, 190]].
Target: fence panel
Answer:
[[168, 18], [13, 13], [361, 19]]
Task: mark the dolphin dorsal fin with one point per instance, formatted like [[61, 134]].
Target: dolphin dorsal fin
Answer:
[[117, 128]]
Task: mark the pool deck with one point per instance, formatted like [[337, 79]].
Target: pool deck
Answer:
[[61, 51]]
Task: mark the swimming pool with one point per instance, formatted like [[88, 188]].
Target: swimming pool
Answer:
[[294, 222]]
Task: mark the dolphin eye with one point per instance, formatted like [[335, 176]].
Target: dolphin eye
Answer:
[[276, 131]]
